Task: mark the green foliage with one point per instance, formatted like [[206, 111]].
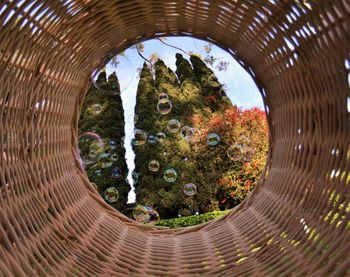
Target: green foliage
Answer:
[[190, 220], [109, 125]]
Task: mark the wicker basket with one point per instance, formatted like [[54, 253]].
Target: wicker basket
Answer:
[[296, 221]]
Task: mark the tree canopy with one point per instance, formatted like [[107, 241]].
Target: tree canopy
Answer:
[[101, 140], [206, 176]]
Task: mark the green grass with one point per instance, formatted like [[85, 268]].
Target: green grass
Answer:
[[190, 220]]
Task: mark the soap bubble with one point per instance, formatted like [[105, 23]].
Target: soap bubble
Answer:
[[106, 164], [116, 173], [164, 107], [161, 136], [127, 74], [190, 189], [135, 177], [213, 81], [94, 185], [243, 140], [151, 139], [102, 85], [213, 139], [111, 63], [111, 195], [187, 132], [92, 155], [173, 125], [140, 137], [145, 214], [247, 153], [90, 136], [234, 152], [90, 147], [96, 109], [163, 97], [114, 157], [170, 175], [112, 144], [222, 92], [153, 166], [190, 133], [104, 155]]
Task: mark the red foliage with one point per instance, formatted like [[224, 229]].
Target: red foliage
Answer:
[[223, 201], [237, 178], [197, 120], [253, 118], [232, 114], [211, 98]]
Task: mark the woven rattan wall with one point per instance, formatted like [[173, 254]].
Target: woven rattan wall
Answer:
[[296, 222]]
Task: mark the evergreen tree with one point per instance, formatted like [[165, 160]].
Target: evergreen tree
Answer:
[[212, 91], [176, 151], [146, 116], [151, 188], [194, 104], [184, 94], [102, 114]]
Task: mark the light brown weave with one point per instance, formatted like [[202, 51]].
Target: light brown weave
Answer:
[[52, 222]]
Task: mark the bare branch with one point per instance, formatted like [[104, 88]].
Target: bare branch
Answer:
[[167, 44], [143, 57]]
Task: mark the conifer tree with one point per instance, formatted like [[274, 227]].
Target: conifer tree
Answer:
[[185, 98], [176, 151], [195, 169], [212, 90], [103, 115], [151, 187], [144, 151]]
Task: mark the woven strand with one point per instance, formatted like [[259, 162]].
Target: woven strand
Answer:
[[295, 222]]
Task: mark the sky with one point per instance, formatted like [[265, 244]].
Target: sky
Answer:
[[241, 88]]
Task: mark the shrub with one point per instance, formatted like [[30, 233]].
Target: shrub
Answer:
[[190, 220]]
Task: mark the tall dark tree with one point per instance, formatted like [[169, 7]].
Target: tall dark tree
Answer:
[[213, 91], [176, 150], [102, 114], [146, 116], [194, 102], [151, 189]]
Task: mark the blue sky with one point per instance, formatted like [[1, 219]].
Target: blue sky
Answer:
[[241, 88]]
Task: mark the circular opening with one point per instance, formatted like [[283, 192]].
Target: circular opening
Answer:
[[200, 143], [298, 221]]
